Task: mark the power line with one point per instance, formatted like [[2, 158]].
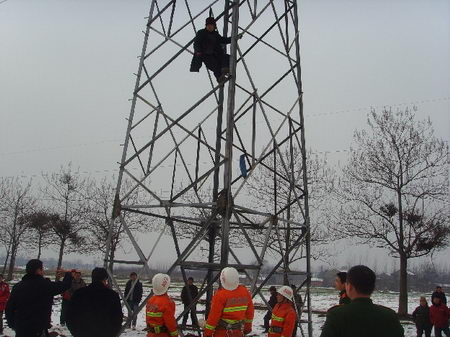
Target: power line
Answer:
[[44, 149], [38, 175], [441, 99]]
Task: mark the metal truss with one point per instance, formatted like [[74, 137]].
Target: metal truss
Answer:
[[198, 150]]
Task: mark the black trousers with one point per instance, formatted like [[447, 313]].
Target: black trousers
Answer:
[[216, 63], [426, 330], [134, 307], [193, 312], [438, 331], [64, 306], [267, 318]]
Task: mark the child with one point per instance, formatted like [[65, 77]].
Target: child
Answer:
[[421, 317], [439, 316]]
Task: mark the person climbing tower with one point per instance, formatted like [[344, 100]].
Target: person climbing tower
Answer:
[[208, 49]]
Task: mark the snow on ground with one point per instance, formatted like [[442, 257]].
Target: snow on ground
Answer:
[[322, 299]]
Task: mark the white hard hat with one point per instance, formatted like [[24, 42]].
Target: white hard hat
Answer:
[[286, 292], [229, 278], [160, 283]]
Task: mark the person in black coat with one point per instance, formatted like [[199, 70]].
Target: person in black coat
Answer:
[[272, 302], [135, 297], [188, 293], [29, 308], [421, 316], [95, 310], [208, 49], [440, 294]]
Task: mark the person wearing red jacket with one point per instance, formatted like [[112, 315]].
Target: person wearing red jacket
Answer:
[[160, 309], [284, 316], [439, 316], [4, 295], [232, 309]]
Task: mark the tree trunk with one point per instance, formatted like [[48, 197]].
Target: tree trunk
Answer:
[[12, 263], [39, 247], [403, 297], [61, 253], [8, 251]]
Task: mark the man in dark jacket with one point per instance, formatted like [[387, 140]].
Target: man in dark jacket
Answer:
[[189, 292], [440, 294], [29, 307], [421, 317], [95, 310], [272, 302], [133, 295], [361, 317], [208, 48]]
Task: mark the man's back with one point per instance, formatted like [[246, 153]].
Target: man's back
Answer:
[[188, 293], [30, 304], [95, 311], [362, 318]]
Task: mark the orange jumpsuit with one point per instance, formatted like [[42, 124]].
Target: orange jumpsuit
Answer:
[[233, 307], [160, 319], [283, 320]]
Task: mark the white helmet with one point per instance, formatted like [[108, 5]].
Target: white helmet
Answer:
[[160, 283], [286, 292], [229, 278]]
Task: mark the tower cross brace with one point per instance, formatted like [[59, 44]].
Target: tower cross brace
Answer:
[[219, 167]]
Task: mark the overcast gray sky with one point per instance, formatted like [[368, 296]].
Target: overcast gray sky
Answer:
[[66, 74]]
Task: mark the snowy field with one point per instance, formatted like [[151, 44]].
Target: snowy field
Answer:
[[322, 299]]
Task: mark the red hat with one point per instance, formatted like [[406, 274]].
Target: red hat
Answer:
[[73, 271], [210, 21]]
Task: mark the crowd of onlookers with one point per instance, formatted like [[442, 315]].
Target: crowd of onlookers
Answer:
[[96, 310], [424, 316], [436, 315]]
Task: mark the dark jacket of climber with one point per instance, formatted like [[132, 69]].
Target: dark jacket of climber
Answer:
[[208, 49]]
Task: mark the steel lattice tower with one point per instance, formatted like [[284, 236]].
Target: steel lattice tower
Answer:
[[222, 167]]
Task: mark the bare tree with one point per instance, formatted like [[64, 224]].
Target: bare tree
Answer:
[[394, 190], [64, 193], [40, 224], [275, 191], [4, 239], [16, 203], [101, 200]]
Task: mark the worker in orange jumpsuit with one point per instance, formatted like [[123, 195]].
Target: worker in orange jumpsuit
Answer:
[[284, 316], [232, 309], [160, 309]]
